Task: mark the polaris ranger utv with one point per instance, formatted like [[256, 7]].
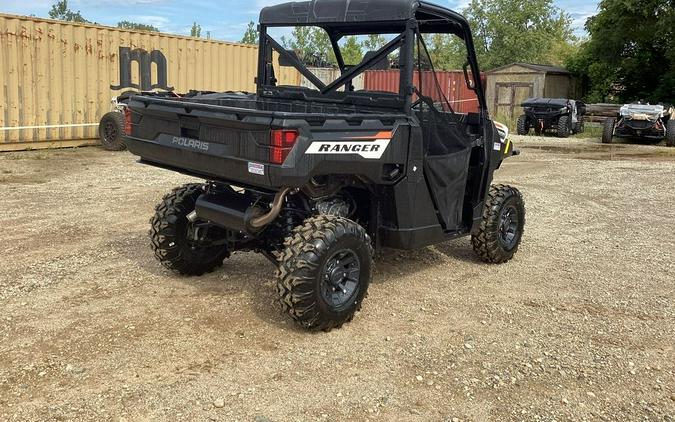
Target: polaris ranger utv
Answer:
[[561, 115], [317, 179]]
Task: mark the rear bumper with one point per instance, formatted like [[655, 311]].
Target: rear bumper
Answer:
[[211, 167], [639, 130]]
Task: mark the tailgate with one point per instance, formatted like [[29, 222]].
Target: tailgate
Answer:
[[212, 141]]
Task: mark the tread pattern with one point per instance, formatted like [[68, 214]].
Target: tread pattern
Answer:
[[608, 131], [521, 126], [670, 132], [167, 234], [485, 242], [563, 127], [117, 144], [299, 268]]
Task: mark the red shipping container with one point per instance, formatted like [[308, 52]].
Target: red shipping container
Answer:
[[452, 84]]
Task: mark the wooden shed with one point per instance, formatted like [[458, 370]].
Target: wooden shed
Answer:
[[508, 86]]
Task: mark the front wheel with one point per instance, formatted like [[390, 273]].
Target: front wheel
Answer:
[[185, 247], [523, 126], [501, 228], [608, 130], [324, 272], [670, 132], [563, 128]]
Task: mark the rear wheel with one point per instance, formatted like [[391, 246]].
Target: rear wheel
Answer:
[[179, 244], [608, 130], [523, 126], [111, 130], [670, 132], [563, 129], [501, 228], [324, 272]]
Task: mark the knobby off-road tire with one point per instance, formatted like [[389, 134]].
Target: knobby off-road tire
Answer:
[[111, 130], [608, 130], [670, 132], [563, 129], [308, 279], [501, 228], [579, 126], [169, 235], [522, 127]]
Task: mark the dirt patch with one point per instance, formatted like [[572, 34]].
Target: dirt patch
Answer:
[[592, 151], [580, 326]]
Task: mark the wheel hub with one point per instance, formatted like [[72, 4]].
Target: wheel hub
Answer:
[[340, 278], [508, 227], [110, 131]]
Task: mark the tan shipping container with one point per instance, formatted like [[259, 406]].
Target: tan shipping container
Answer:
[[57, 78]]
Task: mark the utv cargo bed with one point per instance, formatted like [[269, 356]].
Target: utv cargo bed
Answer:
[[228, 137]]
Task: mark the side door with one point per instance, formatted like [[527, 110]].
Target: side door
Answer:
[[509, 96]]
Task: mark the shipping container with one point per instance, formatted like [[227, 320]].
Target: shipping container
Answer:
[[58, 78], [452, 85], [328, 75]]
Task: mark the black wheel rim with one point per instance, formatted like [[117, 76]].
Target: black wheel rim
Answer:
[[509, 222], [110, 131], [340, 278]]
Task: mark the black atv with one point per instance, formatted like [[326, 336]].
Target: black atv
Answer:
[[562, 116], [317, 179]]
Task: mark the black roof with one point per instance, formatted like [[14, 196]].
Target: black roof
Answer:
[[326, 11], [557, 102]]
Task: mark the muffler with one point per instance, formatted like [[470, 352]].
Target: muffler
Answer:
[[236, 211]]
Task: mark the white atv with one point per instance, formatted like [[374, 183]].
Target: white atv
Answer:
[[642, 121]]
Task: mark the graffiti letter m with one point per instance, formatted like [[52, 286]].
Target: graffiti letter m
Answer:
[[144, 60]]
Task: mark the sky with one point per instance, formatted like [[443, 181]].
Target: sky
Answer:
[[226, 20]]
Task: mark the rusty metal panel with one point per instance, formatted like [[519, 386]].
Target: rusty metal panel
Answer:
[[452, 85], [57, 78]]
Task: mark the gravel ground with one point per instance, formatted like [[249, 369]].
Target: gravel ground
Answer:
[[579, 326]]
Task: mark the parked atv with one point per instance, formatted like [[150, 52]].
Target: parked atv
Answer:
[[562, 116], [641, 121], [318, 179]]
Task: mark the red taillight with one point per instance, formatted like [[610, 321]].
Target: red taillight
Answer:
[[281, 143], [127, 121]]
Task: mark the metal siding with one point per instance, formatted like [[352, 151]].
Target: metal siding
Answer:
[[58, 73], [452, 85]]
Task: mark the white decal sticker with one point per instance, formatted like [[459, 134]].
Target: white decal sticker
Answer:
[[497, 146], [366, 149], [256, 168]]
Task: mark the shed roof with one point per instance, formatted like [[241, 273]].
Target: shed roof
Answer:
[[536, 68]]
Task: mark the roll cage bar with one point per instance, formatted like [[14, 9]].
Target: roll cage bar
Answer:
[[424, 18]]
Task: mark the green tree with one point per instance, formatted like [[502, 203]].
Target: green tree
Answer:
[[137, 26], [352, 53], [507, 31], [373, 42], [61, 11], [196, 30], [311, 44], [630, 52], [250, 35], [446, 51]]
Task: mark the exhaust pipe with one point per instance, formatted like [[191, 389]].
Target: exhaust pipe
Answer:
[[234, 211], [275, 209]]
